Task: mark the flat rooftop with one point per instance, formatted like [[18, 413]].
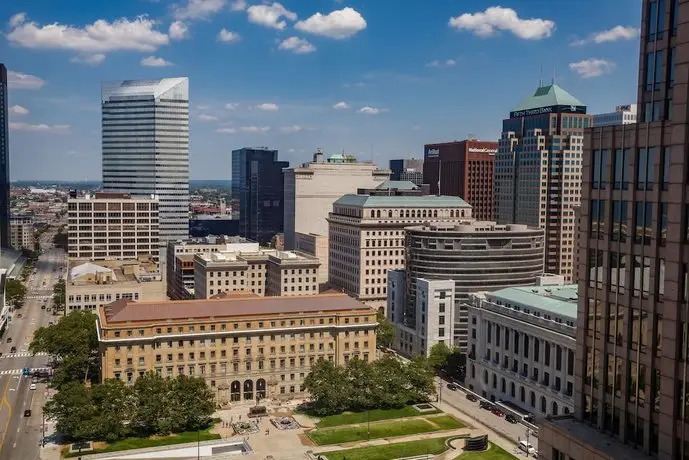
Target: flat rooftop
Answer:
[[560, 300], [606, 445], [125, 311], [402, 201]]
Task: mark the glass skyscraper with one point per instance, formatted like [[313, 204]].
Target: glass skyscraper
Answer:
[[4, 162], [146, 147], [258, 184]]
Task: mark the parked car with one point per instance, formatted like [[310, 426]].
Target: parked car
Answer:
[[27, 413], [471, 397], [32, 386], [498, 412], [486, 405], [13, 350], [452, 386], [42, 307], [511, 418], [9, 339]]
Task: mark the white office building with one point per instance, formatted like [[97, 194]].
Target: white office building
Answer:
[[623, 115], [521, 347], [146, 147], [434, 313]]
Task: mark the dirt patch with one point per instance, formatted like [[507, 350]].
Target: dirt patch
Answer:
[[305, 440], [99, 445]]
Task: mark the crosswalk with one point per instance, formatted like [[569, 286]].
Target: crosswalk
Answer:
[[23, 355], [41, 297], [19, 371]]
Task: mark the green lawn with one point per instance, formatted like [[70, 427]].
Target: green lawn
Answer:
[[387, 429], [139, 443], [494, 453], [350, 418], [433, 446]]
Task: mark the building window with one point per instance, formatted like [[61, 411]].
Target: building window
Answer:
[[619, 221], [665, 172], [595, 268], [671, 68], [616, 269], [621, 169], [645, 163], [662, 223], [643, 217], [597, 221]]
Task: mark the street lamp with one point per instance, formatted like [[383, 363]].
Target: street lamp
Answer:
[[528, 432]]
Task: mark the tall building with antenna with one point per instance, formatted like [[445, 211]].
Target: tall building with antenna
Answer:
[[538, 166], [4, 162]]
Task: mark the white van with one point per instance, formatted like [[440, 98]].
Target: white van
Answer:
[[526, 447]]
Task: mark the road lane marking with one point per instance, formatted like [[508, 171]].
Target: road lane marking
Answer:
[[9, 407]]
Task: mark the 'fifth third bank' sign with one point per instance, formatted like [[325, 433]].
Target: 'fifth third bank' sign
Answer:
[[551, 109]]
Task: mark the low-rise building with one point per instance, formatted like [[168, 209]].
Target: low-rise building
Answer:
[[91, 285], [244, 347], [522, 346], [265, 272], [180, 257], [317, 246], [22, 231]]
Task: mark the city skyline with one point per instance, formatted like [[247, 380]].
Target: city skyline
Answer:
[[347, 79]]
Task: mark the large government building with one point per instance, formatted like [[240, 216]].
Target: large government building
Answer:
[[245, 347]]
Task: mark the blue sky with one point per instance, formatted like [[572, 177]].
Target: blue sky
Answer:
[[376, 78]]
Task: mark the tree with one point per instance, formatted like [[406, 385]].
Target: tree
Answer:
[[152, 408], [72, 343], [439, 355], [59, 291], [192, 403], [328, 388], [113, 404], [385, 331], [73, 410], [15, 292], [419, 378]]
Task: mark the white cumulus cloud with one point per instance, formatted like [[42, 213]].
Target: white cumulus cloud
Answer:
[[267, 107], [589, 68], [102, 36], [227, 36], [609, 35], [89, 59], [238, 5], [297, 45], [206, 117], [226, 130], [18, 80], [270, 15], [371, 110], [255, 129], [440, 64], [232, 105], [153, 61], [339, 24], [178, 30], [291, 129], [497, 18], [198, 9], [17, 19], [341, 105], [18, 110], [40, 128]]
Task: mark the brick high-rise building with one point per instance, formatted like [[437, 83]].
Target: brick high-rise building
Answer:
[[463, 169], [631, 392]]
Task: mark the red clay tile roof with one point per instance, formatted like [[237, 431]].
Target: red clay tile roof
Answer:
[[125, 311]]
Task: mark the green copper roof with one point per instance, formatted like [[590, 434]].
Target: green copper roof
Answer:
[[560, 300], [397, 184], [546, 96], [385, 201]]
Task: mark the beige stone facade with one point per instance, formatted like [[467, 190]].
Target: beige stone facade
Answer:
[[243, 347], [22, 231], [113, 226], [91, 285], [317, 246], [367, 238], [264, 272], [312, 188]]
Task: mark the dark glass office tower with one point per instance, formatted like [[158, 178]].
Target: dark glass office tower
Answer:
[[4, 162], [258, 184]]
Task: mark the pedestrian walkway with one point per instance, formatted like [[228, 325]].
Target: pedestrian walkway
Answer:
[[19, 371], [23, 355]]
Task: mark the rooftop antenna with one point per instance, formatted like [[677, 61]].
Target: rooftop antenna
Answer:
[[540, 77]]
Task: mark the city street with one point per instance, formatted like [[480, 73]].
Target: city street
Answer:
[[20, 436], [511, 431]]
